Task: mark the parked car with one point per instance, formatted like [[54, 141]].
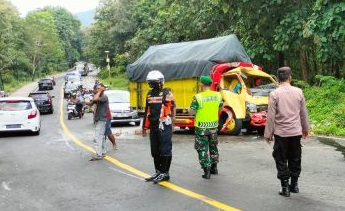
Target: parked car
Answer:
[[43, 100], [45, 84], [19, 114], [120, 107]]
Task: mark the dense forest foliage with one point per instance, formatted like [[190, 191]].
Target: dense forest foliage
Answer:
[[45, 41], [307, 35]]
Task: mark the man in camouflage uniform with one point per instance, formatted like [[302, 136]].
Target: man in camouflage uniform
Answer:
[[206, 106]]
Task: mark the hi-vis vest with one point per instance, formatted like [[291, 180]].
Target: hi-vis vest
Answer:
[[208, 106]]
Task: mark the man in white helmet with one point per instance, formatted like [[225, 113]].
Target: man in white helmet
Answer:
[[159, 112]]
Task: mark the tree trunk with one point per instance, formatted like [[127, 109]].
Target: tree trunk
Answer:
[[281, 58], [304, 65], [336, 68], [33, 67]]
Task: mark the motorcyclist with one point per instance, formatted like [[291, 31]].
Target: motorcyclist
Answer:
[[78, 103]]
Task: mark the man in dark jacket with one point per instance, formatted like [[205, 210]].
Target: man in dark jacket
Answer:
[[158, 119]]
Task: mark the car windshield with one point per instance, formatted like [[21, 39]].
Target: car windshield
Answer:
[[79, 68], [45, 81], [15, 105], [38, 96], [118, 97], [73, 79]]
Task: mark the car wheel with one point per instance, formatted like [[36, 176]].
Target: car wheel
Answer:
[[36, 133], [69, 116], [228, 126], [137, 123]]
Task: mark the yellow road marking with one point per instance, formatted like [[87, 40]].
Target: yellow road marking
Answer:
[[137, 172]]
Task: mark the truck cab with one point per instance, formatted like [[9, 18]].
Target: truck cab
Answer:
[[245, 89]]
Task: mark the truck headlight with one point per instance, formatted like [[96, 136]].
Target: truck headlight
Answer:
[[251, 107]]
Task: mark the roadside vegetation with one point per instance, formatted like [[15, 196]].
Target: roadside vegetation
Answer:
[[46, 41], [325, 102], [307, 35]]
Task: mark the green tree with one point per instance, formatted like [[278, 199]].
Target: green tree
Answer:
[[43, 46], [11, 32], [69, 32]]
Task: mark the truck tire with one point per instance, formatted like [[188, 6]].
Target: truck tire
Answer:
[[234, 127]]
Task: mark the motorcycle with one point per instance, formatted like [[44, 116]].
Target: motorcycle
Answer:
[[75, 110]]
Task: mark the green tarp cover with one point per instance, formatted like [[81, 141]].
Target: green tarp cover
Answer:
[[187, 59]]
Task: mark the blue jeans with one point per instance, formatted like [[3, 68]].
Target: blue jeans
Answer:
[[108, 128]]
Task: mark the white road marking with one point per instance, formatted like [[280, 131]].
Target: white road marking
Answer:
[[125, 173]]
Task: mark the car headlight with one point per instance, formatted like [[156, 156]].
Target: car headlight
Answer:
[[251, 107]]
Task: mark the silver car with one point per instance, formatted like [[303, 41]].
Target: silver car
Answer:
[[120, 107]]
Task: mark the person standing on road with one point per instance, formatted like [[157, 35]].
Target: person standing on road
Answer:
[[287, 122], [108, 132], [159, 112], [206, 106], [100, 117]]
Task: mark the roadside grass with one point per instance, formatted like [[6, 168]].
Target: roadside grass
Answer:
[[333, 143], [118, 80]]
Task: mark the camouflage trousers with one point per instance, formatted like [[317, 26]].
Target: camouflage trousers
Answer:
[[206, 144]]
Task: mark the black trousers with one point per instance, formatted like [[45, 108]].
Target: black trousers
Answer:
[[160, 140], [161, 147], [287, 154]]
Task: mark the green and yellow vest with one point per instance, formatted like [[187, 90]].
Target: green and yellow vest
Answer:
[[208, 105]]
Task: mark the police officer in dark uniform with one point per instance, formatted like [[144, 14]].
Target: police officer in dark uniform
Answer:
[[158, 118]]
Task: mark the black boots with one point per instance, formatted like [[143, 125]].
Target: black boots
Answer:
[[207, 173], [294, 185], [285, 190], [214, 169]]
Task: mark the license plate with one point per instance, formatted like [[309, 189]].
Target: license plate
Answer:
[[13, 126]]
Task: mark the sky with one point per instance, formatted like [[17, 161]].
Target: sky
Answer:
[[74, 6]]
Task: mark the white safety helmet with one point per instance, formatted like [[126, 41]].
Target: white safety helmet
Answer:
[[155, 76]]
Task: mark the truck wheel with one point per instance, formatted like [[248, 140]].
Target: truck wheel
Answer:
[[233, 126]]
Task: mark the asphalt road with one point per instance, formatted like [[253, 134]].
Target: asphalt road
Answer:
[[52, 172]]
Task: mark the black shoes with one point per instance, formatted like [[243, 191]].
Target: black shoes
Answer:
[[285, 190], [150, 179], [158, 177], [207, 173], [294, 185], [214, 169], [161, 177]]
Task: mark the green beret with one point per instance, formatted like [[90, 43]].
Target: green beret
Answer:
[[206, 80]]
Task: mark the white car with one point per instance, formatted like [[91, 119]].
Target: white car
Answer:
[[19, 114], [120, 107]]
